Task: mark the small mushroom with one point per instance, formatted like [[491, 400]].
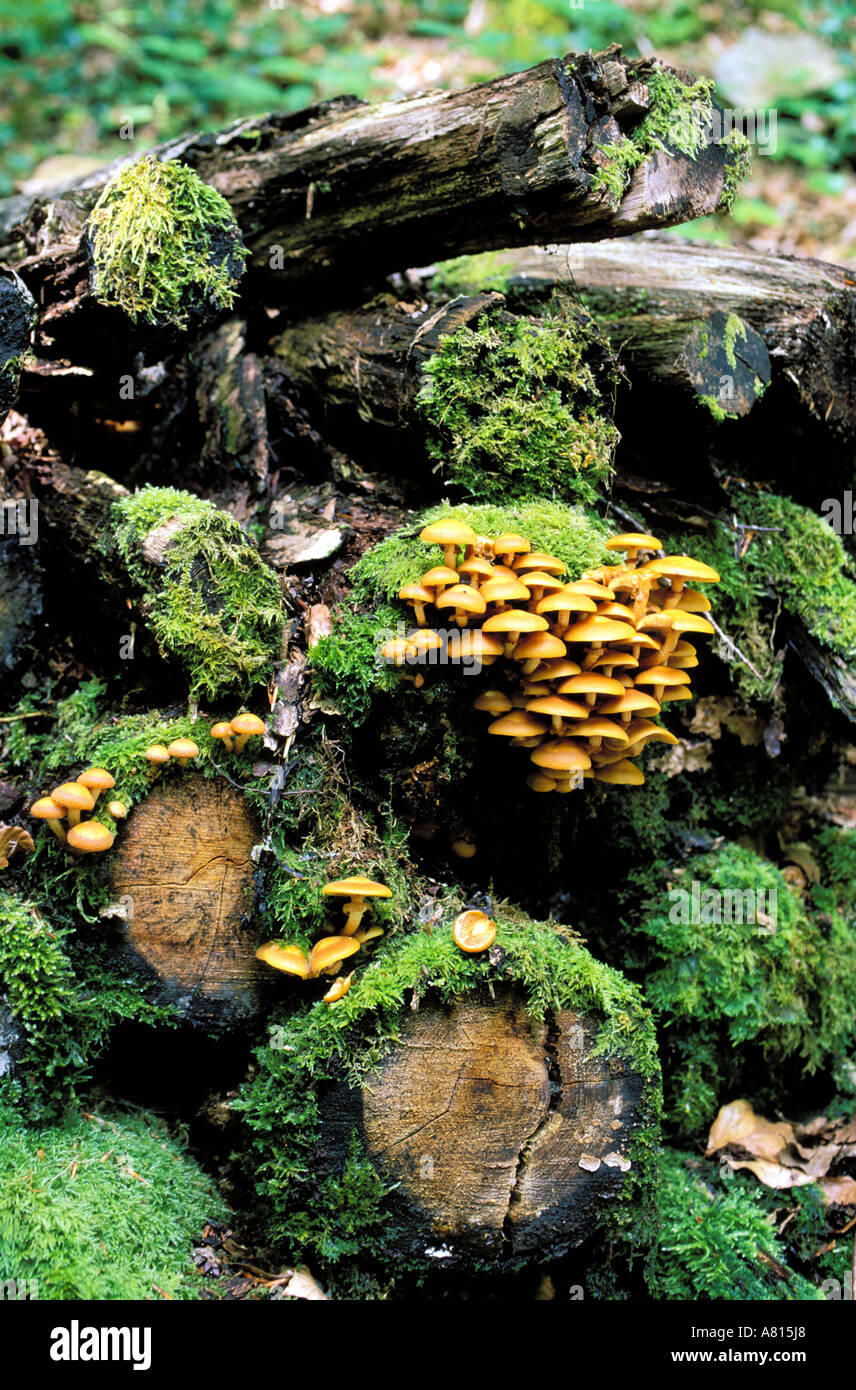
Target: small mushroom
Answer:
[[632, 543], [357, 890], [117, 810], [246, 726], [450, 536], [157, 754], [338, 989], [96, 780], [474, 932], [49, 810], [90, 837], [465, 600], [75, 799], [509, 546], [223, 731], [12, 838], [183, 749], [328, 954], [289, 959], [622, 773], [416, 595]]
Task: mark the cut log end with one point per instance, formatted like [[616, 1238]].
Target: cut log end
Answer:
[[505, 1137], [183, 873]]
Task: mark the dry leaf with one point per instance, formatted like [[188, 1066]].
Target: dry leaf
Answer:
[[738, 1124], [783, 1156], [838, 1191]]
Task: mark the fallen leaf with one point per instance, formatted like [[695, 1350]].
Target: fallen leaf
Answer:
[[738, 1124], [840, 1192]]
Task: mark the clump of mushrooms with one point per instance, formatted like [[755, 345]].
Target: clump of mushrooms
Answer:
[[591, 661], [70, 802], [327, 955]]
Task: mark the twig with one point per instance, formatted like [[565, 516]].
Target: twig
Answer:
[[36, 714], [733, 645]]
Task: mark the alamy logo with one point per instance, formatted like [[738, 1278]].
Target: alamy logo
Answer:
[[76, 1343], [700, 906], [20, 517]]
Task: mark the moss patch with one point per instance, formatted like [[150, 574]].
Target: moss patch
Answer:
[[468, 275], [517, 408], [212, 603], [100, 1208], [757, 991], [164, 245], [798, 561], [678, 120]]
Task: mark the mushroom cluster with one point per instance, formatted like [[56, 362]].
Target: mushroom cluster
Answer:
[[327, 955], [73, 800], [592, 660], [234, 733]]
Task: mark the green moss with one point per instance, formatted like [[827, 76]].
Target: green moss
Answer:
[[213, 605], [164, 243], [101, 1207], [738, 168], [717, 1240], [732, 994], [63, 1002], [514, 408], [319, 1044], [734, 328], [677, 120], [716, 409], [347, 673], [469, 275], [798, 562]]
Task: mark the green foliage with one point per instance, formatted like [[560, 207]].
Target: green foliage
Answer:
[[739, 168], [713, 1240], [799, 561], [347, 673], [100, 1208], [321, 1044], [514, 409], [770, 989], [154, 244], [214, 604], [63, 1003], [468, 275]]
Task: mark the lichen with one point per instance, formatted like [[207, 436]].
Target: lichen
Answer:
[[517, 408], [163, 244], [213, 604]]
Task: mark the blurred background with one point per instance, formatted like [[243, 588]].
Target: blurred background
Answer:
[[72, 75]]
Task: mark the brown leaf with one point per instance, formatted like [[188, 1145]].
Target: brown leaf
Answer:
[[738, 1124], [319, 624], [771, 1174], [839, 1192]]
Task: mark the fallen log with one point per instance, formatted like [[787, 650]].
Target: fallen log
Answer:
[[650, 296], [534, 156], [506, 1139]]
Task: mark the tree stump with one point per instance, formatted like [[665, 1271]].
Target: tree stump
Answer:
[[505, 1137], [183, 873]]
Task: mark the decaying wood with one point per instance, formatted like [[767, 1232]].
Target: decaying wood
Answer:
[[333, 199], [181, 873], [505, 1137], [649, 295]]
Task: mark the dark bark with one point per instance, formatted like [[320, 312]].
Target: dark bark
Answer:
[[333, 199]]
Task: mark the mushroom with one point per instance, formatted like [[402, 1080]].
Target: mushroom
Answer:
[[560, 755], [75, 799], [622, 773], [357, 890], [117, 810], [660, 677], [539, 560], [492, 702], [563, 602], [438, 579], [502, 592], [49, 810], [183, 749], [539, 582], [289, 959], [511, 623], [96, 780], [473, 644], [450, 536], [536, 647], [246, 726], [91, 837], [474, 932], [509, 546], [464, 599], [476, 570], [589, 685], [327, 955], [397, 651], [156, 754], [223, 731], [678, 569], [416, 595], [632, 542], [559, 709], [517, 724], [462, 845]]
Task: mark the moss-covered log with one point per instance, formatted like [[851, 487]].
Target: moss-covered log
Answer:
[[584, 146], [505, 1138], [651, 299], [182, 876]]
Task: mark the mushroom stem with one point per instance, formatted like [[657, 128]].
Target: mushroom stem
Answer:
[[672, 598], [354, 909], [57, 828], [450, 555], [239, 744], [73, 815]]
